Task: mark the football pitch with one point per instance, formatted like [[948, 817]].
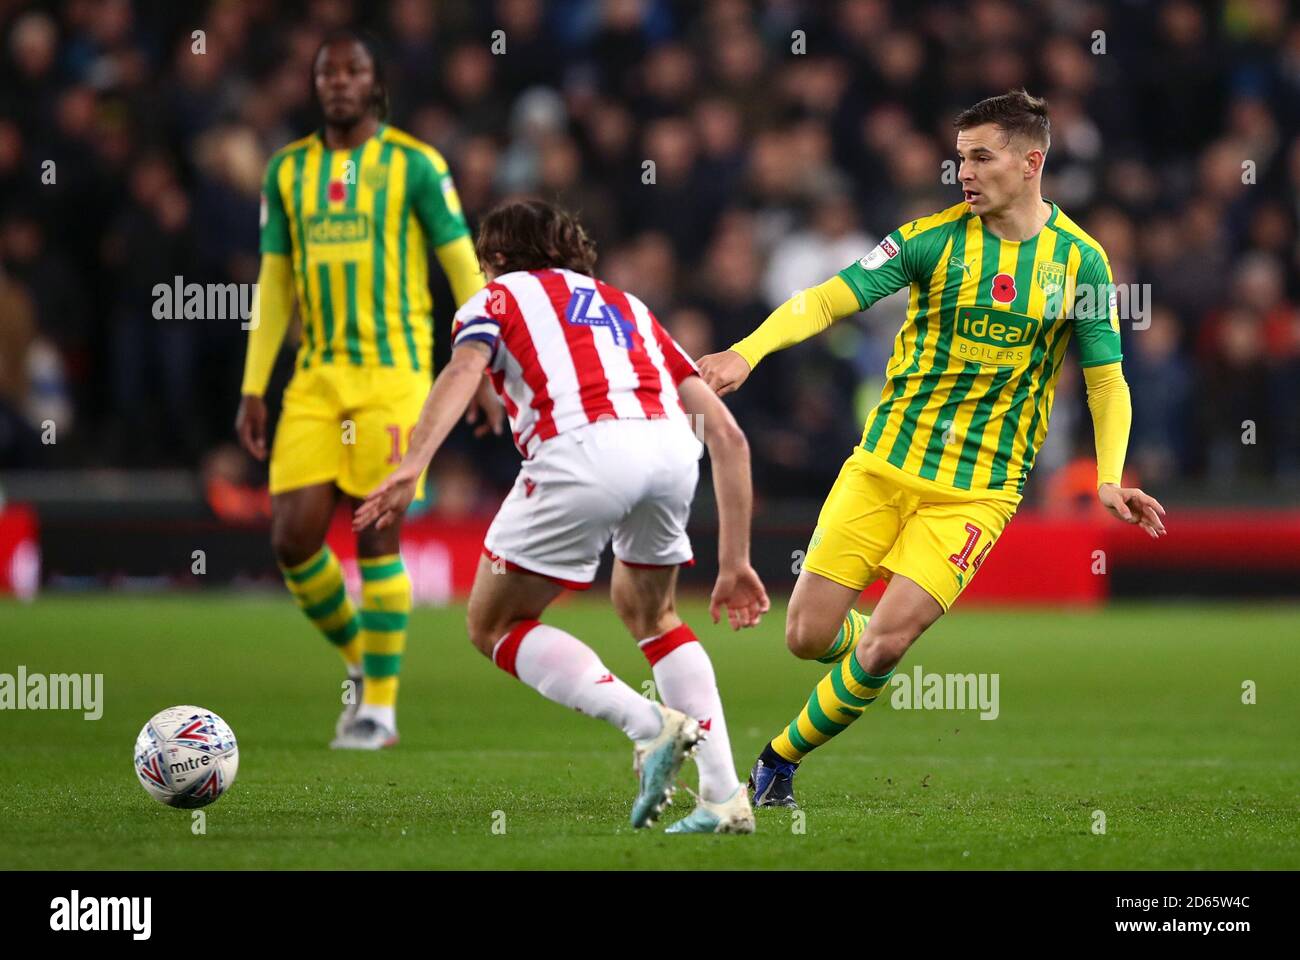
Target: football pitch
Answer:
[[1129, 719]]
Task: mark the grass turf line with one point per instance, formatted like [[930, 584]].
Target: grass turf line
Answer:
[[1135, 711]]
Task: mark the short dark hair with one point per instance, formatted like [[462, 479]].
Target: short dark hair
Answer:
[[379, 102], [534, 235], [1017, 112]]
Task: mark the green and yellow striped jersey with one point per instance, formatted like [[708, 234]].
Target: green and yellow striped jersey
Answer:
[[970, 383], [358, 225]]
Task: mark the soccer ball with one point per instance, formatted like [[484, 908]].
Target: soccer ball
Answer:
[[186, 757]]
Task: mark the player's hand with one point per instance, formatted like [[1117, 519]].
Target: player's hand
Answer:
[[741, 591], [250, 425], [1133, 506], [724, 372], [387, 502], [486, 410]]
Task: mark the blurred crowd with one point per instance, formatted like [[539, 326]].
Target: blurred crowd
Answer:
[[786, 138]]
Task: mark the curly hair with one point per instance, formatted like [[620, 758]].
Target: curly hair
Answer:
[[534, 235]]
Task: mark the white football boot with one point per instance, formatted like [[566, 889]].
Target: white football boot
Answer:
[[658, 760], [733, 815], [365, 733], [349, 713]]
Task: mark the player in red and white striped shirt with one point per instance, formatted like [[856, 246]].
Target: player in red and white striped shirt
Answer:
[[600, 400], [553, 366]]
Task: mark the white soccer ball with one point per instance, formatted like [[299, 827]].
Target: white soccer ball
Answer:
[[186, 757]]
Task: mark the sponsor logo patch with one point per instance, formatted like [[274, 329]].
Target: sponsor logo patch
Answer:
[[884, 251], [337, 236], [997, 337]]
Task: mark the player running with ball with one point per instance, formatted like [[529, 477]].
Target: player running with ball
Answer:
[[598, 396], [998, 285]]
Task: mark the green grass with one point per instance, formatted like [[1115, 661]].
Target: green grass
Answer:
[[1135, 711]]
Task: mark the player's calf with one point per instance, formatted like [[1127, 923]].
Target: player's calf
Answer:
[[880, 651], [816, 622], [299, 520], [904, 613], [683, 672]]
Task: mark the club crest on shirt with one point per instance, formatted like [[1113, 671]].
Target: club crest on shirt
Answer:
[[375, 176], [1050, 276], [884, 251]]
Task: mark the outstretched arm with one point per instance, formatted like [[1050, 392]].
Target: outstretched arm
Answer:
[[738, 587], [804, 315], [451, 394], [1112, 414]]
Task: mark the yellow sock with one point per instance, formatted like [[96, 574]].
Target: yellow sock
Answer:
[[854, 625], [317, 585], [385, 608], [837, 701]]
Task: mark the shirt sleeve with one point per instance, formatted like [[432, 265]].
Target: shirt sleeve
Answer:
[[477, 321], [804, 315], [1112, 417], [881, 272], [272, 308], [435, 200], [460, 263], [1096, 317], [273, 221]]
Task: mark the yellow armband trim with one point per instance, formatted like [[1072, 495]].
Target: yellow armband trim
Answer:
[[806, 314], [1112, 415], [272, 307], [460, 264]]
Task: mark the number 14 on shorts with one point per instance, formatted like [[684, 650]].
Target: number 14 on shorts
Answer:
[[962, 558], [395, 434]]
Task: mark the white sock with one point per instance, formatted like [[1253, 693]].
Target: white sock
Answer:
[[562, 668], [384, 716], [686, 682]]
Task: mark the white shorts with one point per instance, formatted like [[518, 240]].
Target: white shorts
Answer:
[[631, 481]]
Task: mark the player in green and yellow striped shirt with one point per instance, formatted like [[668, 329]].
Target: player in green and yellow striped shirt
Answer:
[[998, 284], [349, 216]]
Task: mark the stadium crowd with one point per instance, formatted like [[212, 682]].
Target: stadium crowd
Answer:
[[785, 139]]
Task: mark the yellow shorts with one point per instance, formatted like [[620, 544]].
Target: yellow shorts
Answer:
[[878, 520], [349, 426]]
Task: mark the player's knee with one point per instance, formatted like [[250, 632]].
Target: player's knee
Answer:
[[806, 639], [292, 547], [483, 633], [379, 543]]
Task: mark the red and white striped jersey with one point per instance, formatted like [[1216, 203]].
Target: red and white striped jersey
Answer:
[[568, 350]]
